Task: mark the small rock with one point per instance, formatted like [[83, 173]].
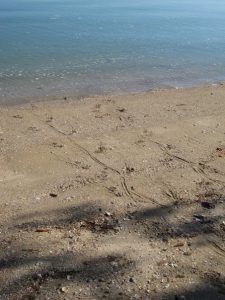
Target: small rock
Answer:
[[114, 264], [179, 244], [129, 170], [187, 253], [208, 205], [168, 146], [63, 289], [201, 219], [131, 279], [108, 214], [18, 117], [121, 109], [53, 195], [180, 276]]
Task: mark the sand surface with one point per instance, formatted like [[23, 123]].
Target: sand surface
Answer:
[[114, 197]]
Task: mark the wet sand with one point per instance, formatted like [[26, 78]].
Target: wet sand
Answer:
[[114, 197]]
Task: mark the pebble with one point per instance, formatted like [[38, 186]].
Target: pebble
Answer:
[[53, 195], [131, 279], [187, 253], [180, 276], [208, 205], [179, 244], [108, 214], [114, 264], [63, 289]]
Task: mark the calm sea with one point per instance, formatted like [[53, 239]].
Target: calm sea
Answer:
[[80, 47]]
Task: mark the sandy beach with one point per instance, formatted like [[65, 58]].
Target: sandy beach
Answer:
[[114, 197]]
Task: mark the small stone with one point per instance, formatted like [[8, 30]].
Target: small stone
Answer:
[[208, 205], [187, 253], [53, 195], [180, 276], [179, 244], [114, 264], [63, 289], [121, 109], [108, 214], [131, 279], [173, 265], [201, 219]]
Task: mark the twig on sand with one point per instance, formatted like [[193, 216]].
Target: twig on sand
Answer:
[[197, 167]]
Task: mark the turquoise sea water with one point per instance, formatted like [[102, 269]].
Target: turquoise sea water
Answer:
[[79, 47]]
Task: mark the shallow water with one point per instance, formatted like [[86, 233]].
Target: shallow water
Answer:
[[79, 47]]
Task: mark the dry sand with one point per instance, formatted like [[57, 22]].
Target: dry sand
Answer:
[[114, 197]]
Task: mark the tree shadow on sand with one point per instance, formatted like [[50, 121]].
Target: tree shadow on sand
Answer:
[[100, 273]]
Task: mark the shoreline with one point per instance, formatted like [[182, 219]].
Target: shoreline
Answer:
[[114, 197], [50, 98]]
